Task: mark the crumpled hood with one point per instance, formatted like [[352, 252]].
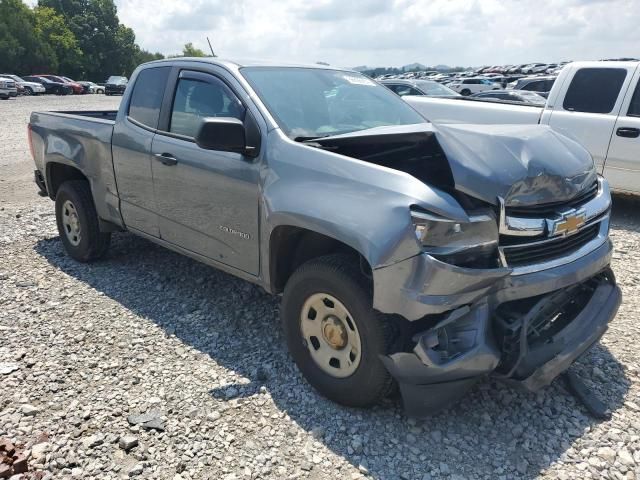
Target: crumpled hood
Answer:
[[523, 164]]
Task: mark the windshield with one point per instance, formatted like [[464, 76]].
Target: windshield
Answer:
[[435, 89], [116, 79], [309, 103]]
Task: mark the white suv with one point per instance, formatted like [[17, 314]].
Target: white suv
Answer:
[[467, 86], [30, 88]]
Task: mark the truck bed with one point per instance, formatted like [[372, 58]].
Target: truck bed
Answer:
[[101, 114], [81, 140], [450, 110]]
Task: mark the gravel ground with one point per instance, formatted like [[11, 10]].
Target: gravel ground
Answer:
[[90, 348]]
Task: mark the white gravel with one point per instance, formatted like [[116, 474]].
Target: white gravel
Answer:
[[86, 349]]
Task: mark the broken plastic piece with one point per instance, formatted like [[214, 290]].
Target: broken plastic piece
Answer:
[[587, 397]]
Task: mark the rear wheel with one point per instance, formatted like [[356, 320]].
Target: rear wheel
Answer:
[[333, 333], [465, 92], [78, 223]]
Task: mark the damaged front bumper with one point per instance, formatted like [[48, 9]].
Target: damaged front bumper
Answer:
[[526, 329]]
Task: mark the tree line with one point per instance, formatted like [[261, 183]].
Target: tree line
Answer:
[[81, 39]]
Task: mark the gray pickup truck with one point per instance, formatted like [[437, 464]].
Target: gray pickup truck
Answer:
[[407, 254]]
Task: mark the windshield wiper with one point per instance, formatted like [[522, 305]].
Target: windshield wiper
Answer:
[[310, 139]]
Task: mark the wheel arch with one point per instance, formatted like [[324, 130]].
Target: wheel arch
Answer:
[[290, 246], [57, 173]]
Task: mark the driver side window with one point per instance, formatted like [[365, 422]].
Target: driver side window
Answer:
[[196, 99]]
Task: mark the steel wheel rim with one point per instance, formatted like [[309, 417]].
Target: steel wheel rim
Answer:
[[331, 335], [71, 223]]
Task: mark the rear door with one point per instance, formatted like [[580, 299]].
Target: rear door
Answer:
[[622, 167], [207, 200], [590, 107], [131, 149]]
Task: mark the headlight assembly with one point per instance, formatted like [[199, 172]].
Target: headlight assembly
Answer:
[[472, 244]]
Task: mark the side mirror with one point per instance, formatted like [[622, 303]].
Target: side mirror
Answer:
[[222, 133]]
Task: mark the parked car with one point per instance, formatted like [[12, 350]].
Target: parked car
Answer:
[[517, 96], [535, 68], [419, 87], [85, 89], [50, 86], [541, 85], [30, 88], [75, 87], [5, 90], [488, 252], [92, 87], [10, 85], [467, 86], [115, 85], [595, 103]]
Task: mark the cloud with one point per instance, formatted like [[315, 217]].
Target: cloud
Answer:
[[390, 32], [340, 10]]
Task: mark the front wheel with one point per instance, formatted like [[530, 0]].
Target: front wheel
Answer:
[[28, 91], [78, 223], [466, 92], [333, 333]]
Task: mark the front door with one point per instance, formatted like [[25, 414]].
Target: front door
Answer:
[[622, 168], [590, 108], [207, 201]]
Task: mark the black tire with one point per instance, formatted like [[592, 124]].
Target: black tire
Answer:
[[28, 91], [340, 276], [466, 92], [93, 243]]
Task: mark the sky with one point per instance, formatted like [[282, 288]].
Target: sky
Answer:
[[351, 33]]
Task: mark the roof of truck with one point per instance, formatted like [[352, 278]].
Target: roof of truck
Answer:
[[245, 63]]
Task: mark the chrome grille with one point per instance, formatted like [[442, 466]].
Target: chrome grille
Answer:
[[550, 209], [526, 254], [540, 236]]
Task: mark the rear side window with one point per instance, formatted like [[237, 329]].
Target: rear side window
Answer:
[[594, 90], [146, 98], [403, 90], [634, 108], [534, 86]]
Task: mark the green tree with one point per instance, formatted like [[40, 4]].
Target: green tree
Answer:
[[52, 29], [108, 47], [143, 56], [22, 50], [190, 51]]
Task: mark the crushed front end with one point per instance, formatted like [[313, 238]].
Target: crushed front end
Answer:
[[523, 308]]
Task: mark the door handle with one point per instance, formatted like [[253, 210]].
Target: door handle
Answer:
[[628, 132], [166, 158]]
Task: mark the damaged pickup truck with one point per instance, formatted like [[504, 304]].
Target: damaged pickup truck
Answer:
[[407, 253]]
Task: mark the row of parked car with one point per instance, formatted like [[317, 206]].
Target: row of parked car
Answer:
[[529, 84], [520, 91], [12, 85]]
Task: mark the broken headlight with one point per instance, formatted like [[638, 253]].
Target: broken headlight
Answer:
[[472, 244]]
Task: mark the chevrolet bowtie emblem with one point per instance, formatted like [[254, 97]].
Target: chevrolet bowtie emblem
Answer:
[[569, 223]]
